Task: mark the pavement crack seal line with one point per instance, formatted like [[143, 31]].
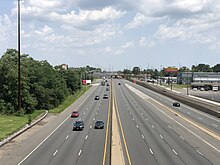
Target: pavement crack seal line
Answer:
[[117, 152], [122, 132], [181, 116]]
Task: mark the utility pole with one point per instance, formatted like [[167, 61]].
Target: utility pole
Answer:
[[187, 81], [19, 56]]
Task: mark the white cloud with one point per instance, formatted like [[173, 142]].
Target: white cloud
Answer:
[[44, 31], [146, 42], [127, 45]]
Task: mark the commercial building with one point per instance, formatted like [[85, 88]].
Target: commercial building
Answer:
[[200, 80]]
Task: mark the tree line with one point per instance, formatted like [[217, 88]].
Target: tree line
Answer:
[[42, 85], [155, 73]]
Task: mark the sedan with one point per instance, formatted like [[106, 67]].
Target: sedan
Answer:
[[176, 104], [99, 124], [96, 97], [105, 96], [78, 125], [75, 114]]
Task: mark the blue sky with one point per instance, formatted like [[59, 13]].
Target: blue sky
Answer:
[[115, 34]]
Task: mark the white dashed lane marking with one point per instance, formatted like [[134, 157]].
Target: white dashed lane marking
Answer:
[[215, 125], [199, 152], [55, 152], [174, 151], [86, 137], [67, 136], [151, 151], [181, 137], [79, 152]]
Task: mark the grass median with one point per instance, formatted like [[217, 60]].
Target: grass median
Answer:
[[10, 124]]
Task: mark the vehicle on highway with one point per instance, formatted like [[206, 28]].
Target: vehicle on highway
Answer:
[[103, 83], [107, 89], [176, 104], [99, 124], [119, 83], [96, 97], [78, 125], [75, 114], [105, 96], [108, 84], [164, 90]]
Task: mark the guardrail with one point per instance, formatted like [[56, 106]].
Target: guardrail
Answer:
[[206, 107]]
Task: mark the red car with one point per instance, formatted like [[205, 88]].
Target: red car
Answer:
[[74, 114]]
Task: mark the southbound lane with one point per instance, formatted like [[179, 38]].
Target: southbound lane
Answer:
[[66, 146]]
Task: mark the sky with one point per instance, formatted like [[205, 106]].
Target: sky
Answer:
[[115, 34]]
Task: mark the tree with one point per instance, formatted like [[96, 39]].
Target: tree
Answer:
[[184, 69], [216, 68], [136, 70], [201, 68]]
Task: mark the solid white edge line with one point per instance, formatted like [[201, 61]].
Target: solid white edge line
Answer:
[[50, 133]]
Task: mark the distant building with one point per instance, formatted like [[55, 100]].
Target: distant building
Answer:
[[64, 66], [206, 80]]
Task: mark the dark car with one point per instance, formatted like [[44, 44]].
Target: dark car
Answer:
[[96, 97], [108, 84], [99, 124], [176, 104], [75, 114], [119, 83], [78, 125], [105, 96], [107, 89]]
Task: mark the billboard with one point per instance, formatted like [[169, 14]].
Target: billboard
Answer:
[[171, 70]]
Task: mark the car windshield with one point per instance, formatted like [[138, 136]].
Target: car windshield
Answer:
[[99, 122]]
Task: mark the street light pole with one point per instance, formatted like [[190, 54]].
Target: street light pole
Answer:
[[19, 56], [187, 81]]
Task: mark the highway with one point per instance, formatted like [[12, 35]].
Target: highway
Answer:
[[151, 130], [69, 147], [148, 138]]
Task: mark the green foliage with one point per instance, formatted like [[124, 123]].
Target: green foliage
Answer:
[[201, 68], [216, 68], [42, 86], [136, 70]]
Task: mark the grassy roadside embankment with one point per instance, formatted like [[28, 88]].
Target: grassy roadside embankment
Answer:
[[11, 124]]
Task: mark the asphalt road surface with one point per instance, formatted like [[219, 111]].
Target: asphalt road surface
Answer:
[[149, 136], [69, 147], [151, 131]]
